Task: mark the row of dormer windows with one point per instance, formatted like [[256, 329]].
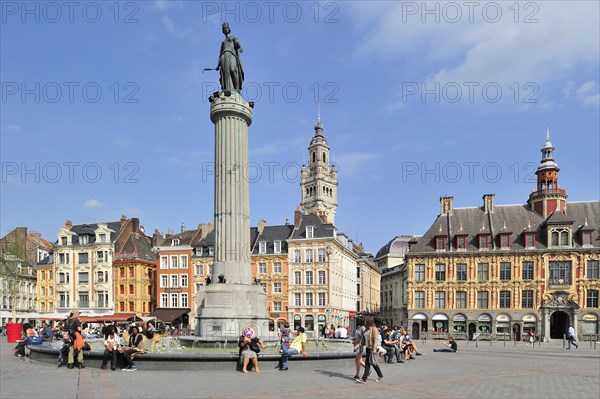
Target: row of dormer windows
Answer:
[[557, 238]]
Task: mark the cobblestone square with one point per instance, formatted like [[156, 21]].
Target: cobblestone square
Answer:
[[486, 371]]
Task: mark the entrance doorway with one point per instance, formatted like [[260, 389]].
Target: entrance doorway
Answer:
[[415, 330], [559, 323], [424, 328], [516, 332], [472, 329]]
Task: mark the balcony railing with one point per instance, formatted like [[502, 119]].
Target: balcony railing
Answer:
[[553, 190]]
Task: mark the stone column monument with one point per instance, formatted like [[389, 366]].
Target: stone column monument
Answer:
[[232, 301]]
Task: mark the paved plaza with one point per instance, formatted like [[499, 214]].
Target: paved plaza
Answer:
[[483, 372]]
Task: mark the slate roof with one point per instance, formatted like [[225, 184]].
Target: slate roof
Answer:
[[322, 230], [394, 246], [185, 238], [558, 217], [89, 230], [204, 244], [517, 218], [137, 247], [270, 234]]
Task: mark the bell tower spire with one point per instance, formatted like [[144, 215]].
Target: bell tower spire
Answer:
[[548, 197], [319, 179]]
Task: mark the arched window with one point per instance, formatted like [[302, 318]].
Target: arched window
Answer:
[[564, 238], [555, 238], [309, 322]]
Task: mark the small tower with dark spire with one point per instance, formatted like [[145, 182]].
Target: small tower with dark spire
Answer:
[[548, 197], [319, 179]]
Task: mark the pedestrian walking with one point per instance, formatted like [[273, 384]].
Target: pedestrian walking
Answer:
[[571, 337], [372, 340]]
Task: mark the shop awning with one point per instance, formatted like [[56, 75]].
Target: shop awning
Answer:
[[439, 316], [117, 317], [168, 315], [419, 316]]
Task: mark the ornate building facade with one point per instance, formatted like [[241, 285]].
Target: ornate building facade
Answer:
[[83, 270], [270, 268], [504, 270]]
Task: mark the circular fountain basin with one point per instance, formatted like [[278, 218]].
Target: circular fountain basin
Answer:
[[190, 353]]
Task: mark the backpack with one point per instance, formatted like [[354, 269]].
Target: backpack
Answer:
[[254, 347]]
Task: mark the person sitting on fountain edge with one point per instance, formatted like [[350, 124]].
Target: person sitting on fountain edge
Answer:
[[298, 345], [135, 346], [249, 345]]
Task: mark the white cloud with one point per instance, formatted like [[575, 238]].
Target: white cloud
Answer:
[[6, 129], [93, 204], [164, 5], [353, 163], [587, 92], [564, 39], [170, 27]]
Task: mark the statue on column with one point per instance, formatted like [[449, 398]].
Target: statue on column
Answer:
[[230, 65]]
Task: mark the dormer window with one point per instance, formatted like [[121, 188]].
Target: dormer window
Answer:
[[211, 251], [461, 242], [559, 237], [484, 241], [83, 240], [63, 240], [277, 247], [262, 247], [529, 240], [310, 231], [175, 242], [440, 243], [504, 241], [586, 238], [102, 238]]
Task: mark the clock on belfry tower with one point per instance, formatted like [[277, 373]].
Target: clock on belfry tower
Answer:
[[319, 179]]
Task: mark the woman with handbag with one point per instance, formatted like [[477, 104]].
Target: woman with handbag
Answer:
[[250, 345], [372, 340]]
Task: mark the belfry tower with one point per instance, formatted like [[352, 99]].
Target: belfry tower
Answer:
[[319, 179], [548, 197]]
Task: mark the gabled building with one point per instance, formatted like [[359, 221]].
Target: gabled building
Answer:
[[83, 266], [134, 266], [175, 275], [270, 268], [499, 270], [20, 252]]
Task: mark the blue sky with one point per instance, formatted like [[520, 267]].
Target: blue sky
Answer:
[[104, 108]]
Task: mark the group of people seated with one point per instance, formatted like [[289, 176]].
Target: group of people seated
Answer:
[[397, 344], [113, 348]]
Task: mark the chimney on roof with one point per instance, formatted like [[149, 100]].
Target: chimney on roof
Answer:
[[36, 236], [135, 225], [123, 220], [157, 239], [205, 229], [297, 217], [446, 205], [261, 226], [488, 203], [69, 224]]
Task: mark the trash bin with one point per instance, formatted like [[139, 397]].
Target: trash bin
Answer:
[[13, 331]]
